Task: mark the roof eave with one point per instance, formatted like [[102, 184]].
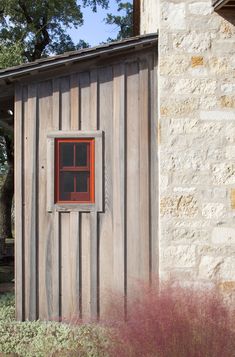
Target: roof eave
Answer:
[[219, 4], [10, 74]]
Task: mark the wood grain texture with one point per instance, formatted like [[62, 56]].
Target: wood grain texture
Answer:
[[46, 244], [133, 179], [65, 106], [70, 260], [154, 169], [50, 174], [106, 219], [30, 239], [86, 266], [118, 173], [74, 93], [18, 153], [144, 194]]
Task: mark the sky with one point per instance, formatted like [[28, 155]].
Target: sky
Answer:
[[94, 30]]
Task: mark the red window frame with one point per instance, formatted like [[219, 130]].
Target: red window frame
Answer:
[[78, 197]]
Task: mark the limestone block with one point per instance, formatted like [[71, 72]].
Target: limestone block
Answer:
[[164, 43], [173, 16], [189, 235], [219, 65], [192, 42], [183, 256], [228, 88], [227, 269], [227, 29], [212, 128], [184, 126], [209, 267], [217, 115], [225, 46], [179, 205], [208, 102], [197, 61], [232, 197], [200, 72], [219, 193], [230, 133], [213, 210], [230, 152], [163, 182], [227, 286], [200, 8], [178, 107], [194, 177], [195, 86], [223, 235], [227, 101], [223, 173], [207, 23], [173, 65]]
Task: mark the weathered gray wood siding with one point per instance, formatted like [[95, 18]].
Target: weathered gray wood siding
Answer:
[[68, 264]]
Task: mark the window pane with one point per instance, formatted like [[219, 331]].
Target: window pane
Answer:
[[81, 154], [82, 182], [66, 185], [66, 154]]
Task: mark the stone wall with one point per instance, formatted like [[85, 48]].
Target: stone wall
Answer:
[[149, 16], [197, 143]]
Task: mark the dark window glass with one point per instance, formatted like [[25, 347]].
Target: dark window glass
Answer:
[[74, 181], [82, 181], [81, 154], [67, 154], [66, 185]]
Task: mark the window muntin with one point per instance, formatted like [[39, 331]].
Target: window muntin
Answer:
[[74, 170]]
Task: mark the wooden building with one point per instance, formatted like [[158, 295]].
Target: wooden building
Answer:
[[86, 177]]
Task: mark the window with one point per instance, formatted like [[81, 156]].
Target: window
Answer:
[[75, 170]]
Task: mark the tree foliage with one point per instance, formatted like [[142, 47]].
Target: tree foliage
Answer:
[[123, 22], [39, 28]]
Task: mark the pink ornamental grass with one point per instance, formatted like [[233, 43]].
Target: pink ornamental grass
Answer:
[[176, 322]]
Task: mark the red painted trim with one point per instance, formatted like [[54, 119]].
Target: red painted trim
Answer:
[[82, 197]]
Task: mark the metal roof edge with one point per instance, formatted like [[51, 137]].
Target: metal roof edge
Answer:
[[217, 4], [77, 56]]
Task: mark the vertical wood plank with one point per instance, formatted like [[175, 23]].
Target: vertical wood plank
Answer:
[[75, 216], [18, 148], [65, 106], [66, 232], [144, 194], [30, 238], [86, 265], [93, 99], [86, 228], [70, 265], [46, 246], [55, 237], [133, 181], [94, 259], [74, 93], [154, 169], [88, 90], [106, 219], [66, 288], [119, 179], [56, 104], [94, 265]]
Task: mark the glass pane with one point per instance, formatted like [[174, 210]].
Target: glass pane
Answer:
[[81, 154], [66, 154], [82, 182], [66, 185]]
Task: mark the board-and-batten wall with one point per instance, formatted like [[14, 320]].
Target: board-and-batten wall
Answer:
[[68, 264]]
